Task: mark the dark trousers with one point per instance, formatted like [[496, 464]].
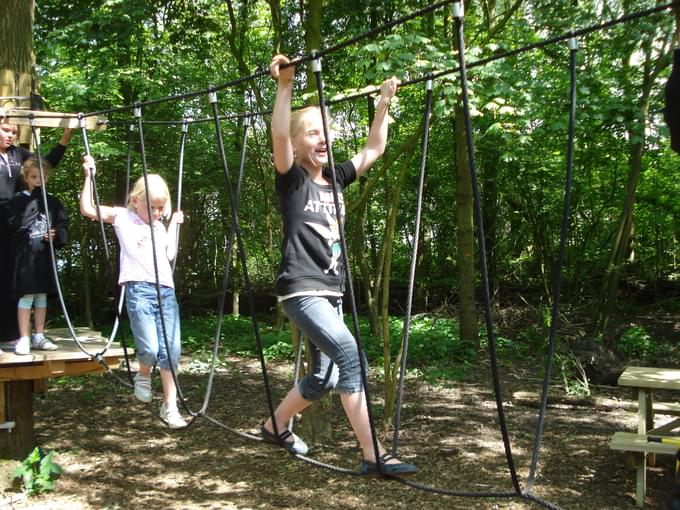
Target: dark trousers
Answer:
[[9, 330]]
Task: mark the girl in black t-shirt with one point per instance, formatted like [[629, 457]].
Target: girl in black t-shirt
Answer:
[[311, 275]]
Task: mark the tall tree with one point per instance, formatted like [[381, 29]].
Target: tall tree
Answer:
[[653, 48], [17, 58]]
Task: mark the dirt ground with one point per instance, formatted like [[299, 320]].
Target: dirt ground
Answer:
[[116, 454]]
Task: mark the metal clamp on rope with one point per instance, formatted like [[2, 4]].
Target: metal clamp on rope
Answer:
[[81, 121], [457, 9], [212, 95], [137, 112], [428, 84], [573, 43], [316, 61], [34, 129], [185, 125]]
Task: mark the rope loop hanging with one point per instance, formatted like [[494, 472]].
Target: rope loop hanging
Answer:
[[557, 270], [316, 69], [212, 98], [412, 269], [457, 11]]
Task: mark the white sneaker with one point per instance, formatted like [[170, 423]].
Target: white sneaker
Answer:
[[23, 346], [172, 418], [143, 388], [42, 343]]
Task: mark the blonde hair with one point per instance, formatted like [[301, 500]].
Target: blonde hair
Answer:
[[32, 163], [297, 119], [157, 189]]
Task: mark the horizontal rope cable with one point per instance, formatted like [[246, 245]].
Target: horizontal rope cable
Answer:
[[431, 75]]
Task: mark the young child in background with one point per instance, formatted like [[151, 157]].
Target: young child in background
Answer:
[[137, 272], [32, 272]]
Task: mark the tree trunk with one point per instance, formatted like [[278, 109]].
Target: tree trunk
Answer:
[[622, 240], [17, 58], [655, 61], [467, 313], [20, 441]]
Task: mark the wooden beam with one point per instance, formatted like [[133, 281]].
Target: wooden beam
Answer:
[[29, 372], [50, 119]]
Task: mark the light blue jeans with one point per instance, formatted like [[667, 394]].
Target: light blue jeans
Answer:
[[145, 323], [335, 359]]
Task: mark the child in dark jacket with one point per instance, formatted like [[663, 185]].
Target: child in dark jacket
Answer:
[[33, 275]]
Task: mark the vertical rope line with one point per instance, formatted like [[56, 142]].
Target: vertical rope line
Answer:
[[412, 269], [482, 250], [180, 178], [53, 257], [225, 279], [316, 67], [95, 194], [242, 259], [145, 172], [557, 271], [107, 254]]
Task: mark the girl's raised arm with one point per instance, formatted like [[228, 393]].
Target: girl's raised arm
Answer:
[[377, 135], [283, 148], [87, 207]]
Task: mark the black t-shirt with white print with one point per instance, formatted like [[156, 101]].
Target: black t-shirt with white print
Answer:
[[311, 253]]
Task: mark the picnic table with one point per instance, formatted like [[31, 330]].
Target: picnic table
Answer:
[[643, 381], [21, 376]]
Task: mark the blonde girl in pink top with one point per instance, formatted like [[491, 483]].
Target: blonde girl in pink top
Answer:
[[133, 228]]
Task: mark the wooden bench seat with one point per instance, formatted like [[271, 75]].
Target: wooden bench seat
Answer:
[[632, 442], [644, 381]]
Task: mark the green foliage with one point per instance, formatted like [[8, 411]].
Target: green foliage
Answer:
[[38, 472], [236, 336], [572, 372], [637, 343], [105, 54]]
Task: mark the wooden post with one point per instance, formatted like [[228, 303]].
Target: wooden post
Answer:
[[18, 442], [3, 403]]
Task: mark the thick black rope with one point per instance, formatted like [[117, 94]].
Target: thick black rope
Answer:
[[107, 255], [412, 269], [482, 250], [265, 72], [426, 10], [60, 295], [180, 179], [482, 494], [242, 258], [225, 280], [316, 68], [159, 298], [557, 271]]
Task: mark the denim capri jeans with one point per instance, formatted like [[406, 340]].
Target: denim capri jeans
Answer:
[[335, 360], [145, 323]]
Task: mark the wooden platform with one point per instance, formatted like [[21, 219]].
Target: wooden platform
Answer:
[[69, 359], [21, 376]]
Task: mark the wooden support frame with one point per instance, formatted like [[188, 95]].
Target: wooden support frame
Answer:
[[22, 376], [44, 119]]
